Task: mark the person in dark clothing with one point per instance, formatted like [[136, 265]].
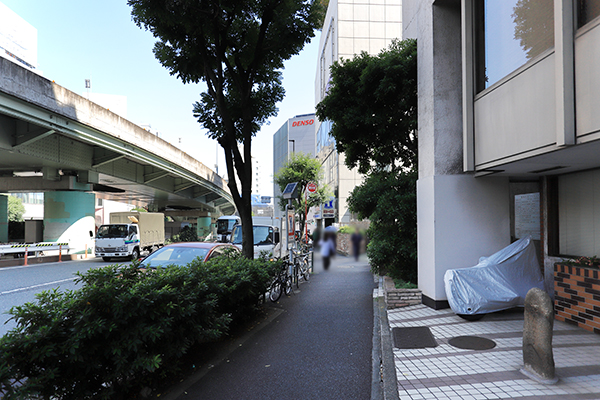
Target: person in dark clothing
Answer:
[[327, 248], [356, 239]]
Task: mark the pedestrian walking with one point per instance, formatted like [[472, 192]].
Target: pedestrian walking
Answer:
[[356, 239], [327, 249]]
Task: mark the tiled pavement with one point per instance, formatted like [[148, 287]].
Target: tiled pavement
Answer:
[[447, 372]]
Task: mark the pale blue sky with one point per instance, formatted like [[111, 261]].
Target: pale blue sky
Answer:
[[97, 40]]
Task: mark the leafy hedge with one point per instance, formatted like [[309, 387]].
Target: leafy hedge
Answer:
[[124, 329]]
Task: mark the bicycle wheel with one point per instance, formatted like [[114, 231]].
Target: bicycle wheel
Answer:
[[275, 290], [305, 270], [297, 274], [288, 285]]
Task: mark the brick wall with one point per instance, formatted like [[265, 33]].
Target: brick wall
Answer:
[[577, 296], [396, 298]]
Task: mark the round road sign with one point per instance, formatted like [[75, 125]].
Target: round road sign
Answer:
[[311, 187]]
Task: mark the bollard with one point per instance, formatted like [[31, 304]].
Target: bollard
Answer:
[[86, 250], [26, 251], [60, 253], [538, 358]]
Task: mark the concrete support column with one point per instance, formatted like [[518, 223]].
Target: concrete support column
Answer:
[[69, 217], [3, 219], [459, 217], [203, 226]]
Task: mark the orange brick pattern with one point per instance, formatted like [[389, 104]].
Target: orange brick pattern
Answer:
[[577, 296]]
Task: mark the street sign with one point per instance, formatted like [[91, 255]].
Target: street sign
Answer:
[[329, 209], [291, 227], [311, 187]]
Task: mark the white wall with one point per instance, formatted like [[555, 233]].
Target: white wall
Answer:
[[459, 219]]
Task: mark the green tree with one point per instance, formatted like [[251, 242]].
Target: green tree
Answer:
[[372, 103], [389, 200], [301, 168], [238, 49], [16, 209]]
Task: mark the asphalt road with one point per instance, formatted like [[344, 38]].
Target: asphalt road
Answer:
[[19, 285], [319, 347]]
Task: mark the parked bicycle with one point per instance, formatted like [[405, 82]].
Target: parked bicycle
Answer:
[[281, 283], [301, 267]]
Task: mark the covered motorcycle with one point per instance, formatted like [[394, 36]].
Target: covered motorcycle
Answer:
[[499, 282]]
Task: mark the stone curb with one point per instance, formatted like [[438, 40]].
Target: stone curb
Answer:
[[385, 382]]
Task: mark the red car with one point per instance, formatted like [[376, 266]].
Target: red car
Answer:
[[185, 252]]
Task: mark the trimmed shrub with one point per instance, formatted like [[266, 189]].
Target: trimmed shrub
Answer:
[[124, 329]]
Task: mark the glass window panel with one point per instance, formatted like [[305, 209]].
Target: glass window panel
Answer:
[[512, 33], [587, 11]]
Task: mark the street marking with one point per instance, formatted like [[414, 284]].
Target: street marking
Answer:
[[35, 286]]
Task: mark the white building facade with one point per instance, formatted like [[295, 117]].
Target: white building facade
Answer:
[[350, 27], [509, 131]]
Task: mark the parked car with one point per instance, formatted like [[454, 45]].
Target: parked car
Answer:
[[185, 252]]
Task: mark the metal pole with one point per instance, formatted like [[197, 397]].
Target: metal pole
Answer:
[[305, 214], [290, 229]]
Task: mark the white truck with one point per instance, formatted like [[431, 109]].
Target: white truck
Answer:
[[266, 239], [129, 233]]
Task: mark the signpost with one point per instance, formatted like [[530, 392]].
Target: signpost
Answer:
[[329, 209], [311, 188], [290, 192]]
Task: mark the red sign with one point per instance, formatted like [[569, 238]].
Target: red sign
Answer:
[[303, 123], [311, 187]]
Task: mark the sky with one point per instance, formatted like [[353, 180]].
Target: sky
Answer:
[[97, 40]]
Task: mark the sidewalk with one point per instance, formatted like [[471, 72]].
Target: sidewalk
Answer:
[[447, 372]]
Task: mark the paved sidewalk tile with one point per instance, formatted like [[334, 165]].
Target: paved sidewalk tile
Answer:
[[447, 372]]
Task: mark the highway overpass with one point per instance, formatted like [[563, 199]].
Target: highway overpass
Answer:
[[55, 141]]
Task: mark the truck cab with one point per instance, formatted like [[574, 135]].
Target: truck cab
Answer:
[[129, 233], [117, 240], [266, 239]]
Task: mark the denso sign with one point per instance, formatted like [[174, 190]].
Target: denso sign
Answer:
[[303, 123]]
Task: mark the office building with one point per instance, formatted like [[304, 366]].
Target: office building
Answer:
[[350, 27], [295, 135], [509, 131]]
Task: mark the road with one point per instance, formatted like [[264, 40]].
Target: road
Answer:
[[19, 285]]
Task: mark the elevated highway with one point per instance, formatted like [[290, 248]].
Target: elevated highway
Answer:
[[55, 141]]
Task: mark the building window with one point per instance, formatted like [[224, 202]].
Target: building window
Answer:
[[509, 33], [587, 10], [579, 213]]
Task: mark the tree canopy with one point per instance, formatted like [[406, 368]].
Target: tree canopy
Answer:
[[238, 49], [373, 103], [301, 168], [16, 209]]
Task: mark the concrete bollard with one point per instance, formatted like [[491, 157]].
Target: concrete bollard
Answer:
[[538, 358]]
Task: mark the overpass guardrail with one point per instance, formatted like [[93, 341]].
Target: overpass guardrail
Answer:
[[17, 248]]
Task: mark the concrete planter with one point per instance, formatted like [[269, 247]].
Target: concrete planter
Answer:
[[577, 296], [396, 298]]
